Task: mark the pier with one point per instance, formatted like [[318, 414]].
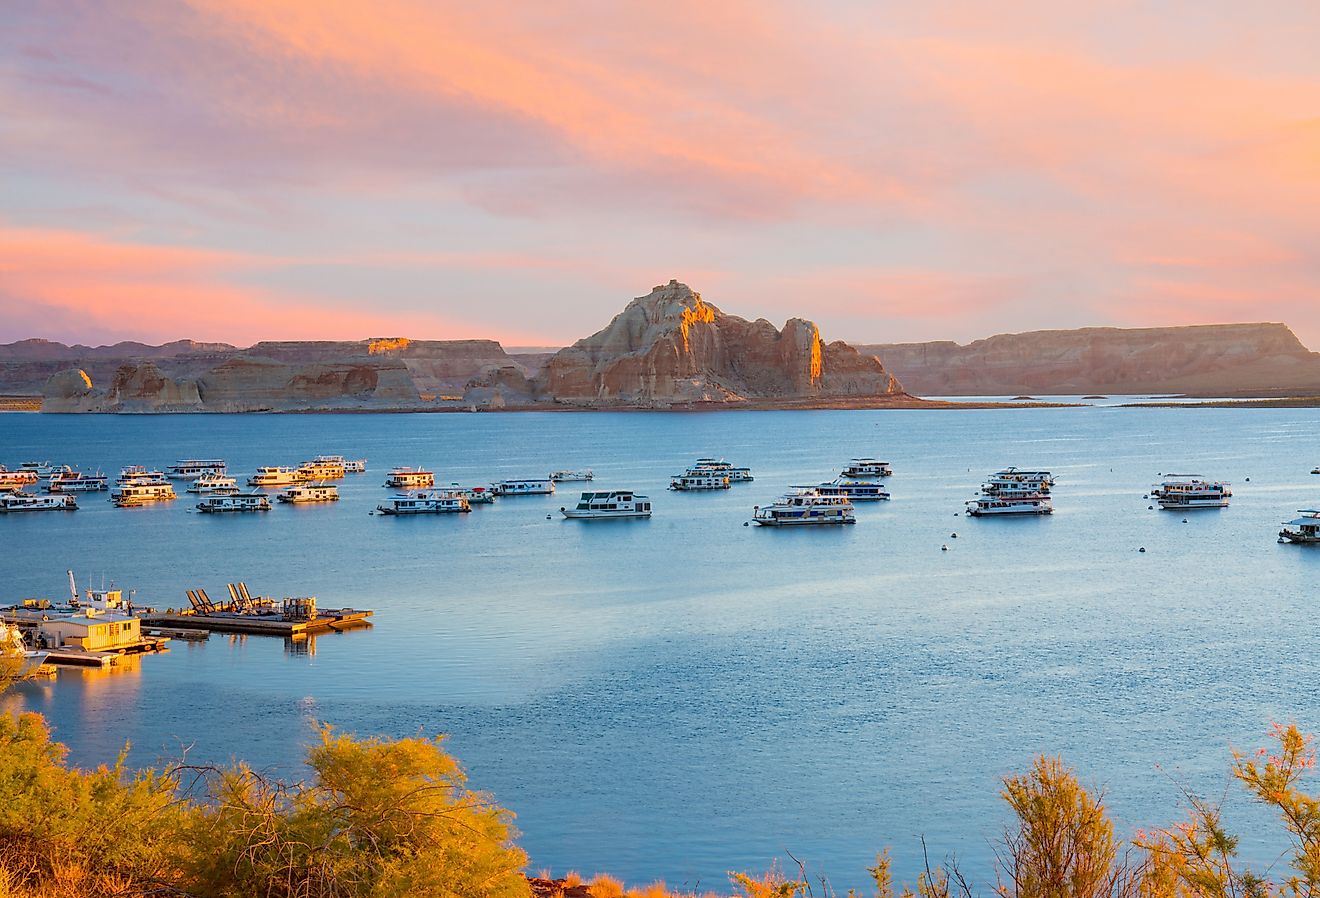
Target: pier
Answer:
[[293, 617]]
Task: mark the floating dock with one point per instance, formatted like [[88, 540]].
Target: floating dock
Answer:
[[293, 617]]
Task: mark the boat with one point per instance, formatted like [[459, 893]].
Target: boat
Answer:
[[609, 504], [802, 507], [855, 489], [213, 484], [410, 479], [137, 474], [323, 467], [135, 495], [277, 476], [425, 502], [1315, 470], [192, 468], [476, 495], [571, 476], [1304, 530], [15, 480], [355, 466], [1013, 478], [692, 480], [304, 495], [76, 482], [867, 467], [25, 502], [720, 466], [1018, 502], [13, 646], [235, 502], [1190, 491], [534, 487], [43, 469]]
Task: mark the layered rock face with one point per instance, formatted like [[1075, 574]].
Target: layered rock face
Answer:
[[1219, 360], [672, 347]]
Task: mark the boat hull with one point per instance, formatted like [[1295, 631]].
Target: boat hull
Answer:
[[573, 514]]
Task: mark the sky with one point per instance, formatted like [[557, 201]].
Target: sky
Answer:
[[240, 170]]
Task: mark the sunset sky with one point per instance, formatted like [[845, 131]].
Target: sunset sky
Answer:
[[277, 169]]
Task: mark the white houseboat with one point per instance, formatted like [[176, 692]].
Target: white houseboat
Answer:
[[720, 466], [1190, 491], [533, 487], [43, 469], [692, 480], [235, 502], [867, 467], [805, 506], [355, 466], [410, 479], [572, 476], [426, 502], [1015, 479], [1018, 503], [134, 495], [213, 484], [476, 495], [138, 475], [24, 502], [77, 482], [1304, 530], [854, 489], [192, 468], [276, 476], [609, 504], [305, 495]]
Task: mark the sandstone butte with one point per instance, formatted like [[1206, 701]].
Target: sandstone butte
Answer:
[[667, 349]]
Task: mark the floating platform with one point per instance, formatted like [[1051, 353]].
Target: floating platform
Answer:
[[327, 620]]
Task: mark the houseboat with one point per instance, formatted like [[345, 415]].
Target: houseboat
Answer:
[[77, 482], [854, 489], [803, 507], [1023, 503], [425, 502], [1304, 530], [43, 469], [692, 480], [270, 477], [135, 495], [24, 502], [15, 480], [192, 468], [306, 495], [1191, 491], [476, 495], [235, 502], [137, 474], [535, 487], [410, 479], [609, 504], [213, 484], [323, 467], [720, 466], [1013, 478], [355, 466], [867, 467], [571, 476]]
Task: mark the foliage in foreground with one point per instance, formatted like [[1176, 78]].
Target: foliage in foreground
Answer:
[[387, 819]]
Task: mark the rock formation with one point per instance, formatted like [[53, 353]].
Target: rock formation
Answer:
[[1218, 360], [672, 347]]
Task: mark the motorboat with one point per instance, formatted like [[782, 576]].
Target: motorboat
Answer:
[[805, 507], [609, 504]]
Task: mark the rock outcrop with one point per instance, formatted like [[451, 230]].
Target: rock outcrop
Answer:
[[134, 388], [1218, 360], [672, 347]]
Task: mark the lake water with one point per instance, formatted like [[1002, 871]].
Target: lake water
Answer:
[[683, 696]]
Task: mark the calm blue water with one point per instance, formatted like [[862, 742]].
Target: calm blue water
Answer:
[[683, 696]]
